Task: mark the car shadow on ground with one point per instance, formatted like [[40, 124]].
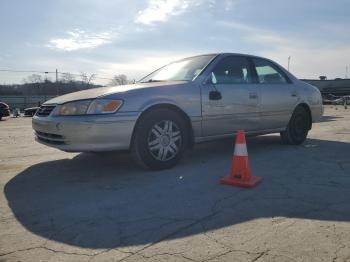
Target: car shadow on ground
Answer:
[[330, 118], [106, 201]]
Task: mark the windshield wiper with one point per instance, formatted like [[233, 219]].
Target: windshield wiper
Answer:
[[153, 80]]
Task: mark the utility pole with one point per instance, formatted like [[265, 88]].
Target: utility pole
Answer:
[[57, 87], [288, 62], [44, 86]]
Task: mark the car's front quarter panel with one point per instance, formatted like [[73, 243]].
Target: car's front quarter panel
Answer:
[[185, 96]]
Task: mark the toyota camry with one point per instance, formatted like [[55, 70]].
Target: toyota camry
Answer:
[[188, 101]]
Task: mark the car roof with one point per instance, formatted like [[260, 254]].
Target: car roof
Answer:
[[227, 53]]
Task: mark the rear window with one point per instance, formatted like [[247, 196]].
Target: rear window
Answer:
[[268, 73]]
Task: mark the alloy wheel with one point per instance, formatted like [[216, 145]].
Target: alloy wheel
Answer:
[[164, 140]]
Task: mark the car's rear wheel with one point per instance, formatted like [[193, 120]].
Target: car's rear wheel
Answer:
[[298, 127], [160, 139]]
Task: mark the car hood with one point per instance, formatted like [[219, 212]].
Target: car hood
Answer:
[[103, 91]]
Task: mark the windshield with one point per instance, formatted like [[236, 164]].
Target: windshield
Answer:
[[182, 70]]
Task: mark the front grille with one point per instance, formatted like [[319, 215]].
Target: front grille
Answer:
[[48, 135], [44, 110], [50, 138], [48, 141]]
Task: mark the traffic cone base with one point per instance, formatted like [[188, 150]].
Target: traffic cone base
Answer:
[[252, 182]]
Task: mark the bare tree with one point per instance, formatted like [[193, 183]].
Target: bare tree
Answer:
[[33, 79], [118, 80], [67, 78], [87, 79], [36, 81]]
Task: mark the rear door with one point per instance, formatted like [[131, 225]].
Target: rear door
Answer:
[[234, 104], [278, 95]]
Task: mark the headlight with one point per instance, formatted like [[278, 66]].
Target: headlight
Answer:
[[104, 106], [83, 107], [73, 108]]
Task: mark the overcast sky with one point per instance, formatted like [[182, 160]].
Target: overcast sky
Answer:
[[135, 37]]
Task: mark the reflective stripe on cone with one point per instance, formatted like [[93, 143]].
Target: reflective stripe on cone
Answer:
[[241, 150]]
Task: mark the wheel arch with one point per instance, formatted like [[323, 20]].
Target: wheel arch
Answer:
[[169, 106]]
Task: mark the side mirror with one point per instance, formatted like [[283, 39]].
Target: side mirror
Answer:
[[215, 95], [209, 81]]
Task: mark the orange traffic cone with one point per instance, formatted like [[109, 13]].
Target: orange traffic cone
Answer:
[[240, 170]]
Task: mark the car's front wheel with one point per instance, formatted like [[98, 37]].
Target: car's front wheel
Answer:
[[160, 139], [298, 127]]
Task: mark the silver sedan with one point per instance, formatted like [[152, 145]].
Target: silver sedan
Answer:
[[192, 100]]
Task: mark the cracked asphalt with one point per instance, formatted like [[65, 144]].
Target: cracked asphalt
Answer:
[[57, 206]]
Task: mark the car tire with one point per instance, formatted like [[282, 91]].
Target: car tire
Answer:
[[160, 139], [297, 128]]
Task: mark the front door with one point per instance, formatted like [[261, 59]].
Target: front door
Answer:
[[230, 98]]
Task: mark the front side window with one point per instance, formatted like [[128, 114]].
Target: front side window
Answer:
[[268, 73], [232, 70], [183, 70]]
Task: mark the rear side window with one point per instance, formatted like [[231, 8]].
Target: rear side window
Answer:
[[232, 70], [268, 73]]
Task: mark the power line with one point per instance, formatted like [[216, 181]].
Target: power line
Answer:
[[23, 71], [50, 72]]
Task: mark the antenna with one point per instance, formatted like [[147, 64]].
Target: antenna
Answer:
[[288, 62]]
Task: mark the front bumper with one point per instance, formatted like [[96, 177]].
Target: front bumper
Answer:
[[317, 113], [86, 133]]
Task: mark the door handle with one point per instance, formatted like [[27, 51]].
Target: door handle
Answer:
[[294, 94], [253, 95]]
